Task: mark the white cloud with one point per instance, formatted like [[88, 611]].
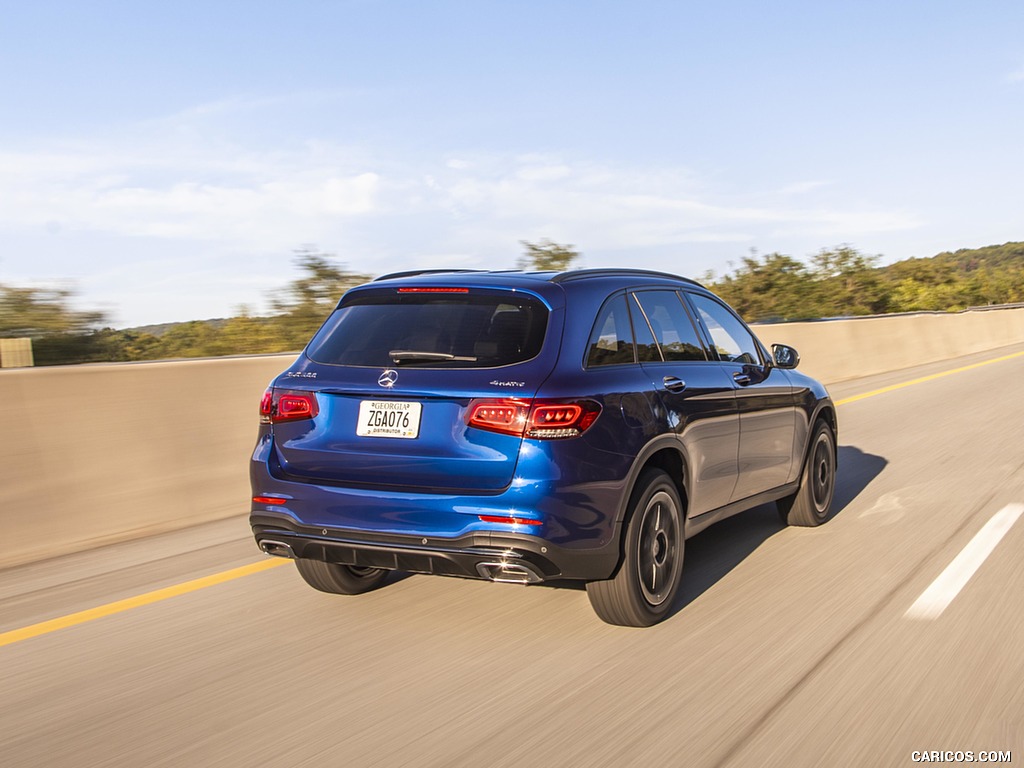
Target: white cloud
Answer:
[[235, 196], [803, 187], [615, 208], [194, 195], [544, 173], [199, 215], [189, 177]]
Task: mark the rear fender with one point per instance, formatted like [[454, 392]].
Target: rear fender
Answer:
[[681, 477]]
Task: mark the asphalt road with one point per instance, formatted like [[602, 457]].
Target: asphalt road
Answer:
[[788, 647]]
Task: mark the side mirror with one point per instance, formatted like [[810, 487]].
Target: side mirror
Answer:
[[785, 357]]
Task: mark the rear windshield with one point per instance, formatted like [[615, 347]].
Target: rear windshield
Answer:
[[432, 330]]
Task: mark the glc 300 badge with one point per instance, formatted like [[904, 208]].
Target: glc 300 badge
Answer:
[[388, 378]]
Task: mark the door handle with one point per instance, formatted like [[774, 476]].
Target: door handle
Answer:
[[673, 384], [743, 379]]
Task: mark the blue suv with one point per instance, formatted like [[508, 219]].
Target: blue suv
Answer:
[[527, 427]]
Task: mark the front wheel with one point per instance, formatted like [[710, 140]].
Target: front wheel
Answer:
[[809, 506], [642, 591], [340, 579]]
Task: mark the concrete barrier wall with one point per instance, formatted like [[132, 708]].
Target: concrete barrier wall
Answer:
[[837, 350], [95, 454]]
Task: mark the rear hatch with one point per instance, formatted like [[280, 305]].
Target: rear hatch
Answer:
[[394, 373]]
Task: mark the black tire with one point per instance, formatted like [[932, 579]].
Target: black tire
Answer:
[[340, 579], [810, 505], [642, 591]]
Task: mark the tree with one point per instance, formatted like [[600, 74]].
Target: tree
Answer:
[[59, 333], [774, 287], [838, 282], [246, 334], [106, 345], [849, 282], [37, 312], [547, 256], [302, 307]]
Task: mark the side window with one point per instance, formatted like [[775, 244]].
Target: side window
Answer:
[[671, 325], [647, 350], [732, 340], [611, 341]]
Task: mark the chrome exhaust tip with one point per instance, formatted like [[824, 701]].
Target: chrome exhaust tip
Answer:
[[509, 573], [277, 548]]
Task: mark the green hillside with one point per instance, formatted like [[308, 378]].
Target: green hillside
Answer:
[[843, 282]]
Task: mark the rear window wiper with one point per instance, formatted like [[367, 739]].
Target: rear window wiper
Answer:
[[401, 355]]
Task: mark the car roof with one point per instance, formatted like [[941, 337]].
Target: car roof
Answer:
[[503, 277], [552, 287]]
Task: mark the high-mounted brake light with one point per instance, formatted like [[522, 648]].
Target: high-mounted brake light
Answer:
[[433, 290], [537, 419], [284, 405]]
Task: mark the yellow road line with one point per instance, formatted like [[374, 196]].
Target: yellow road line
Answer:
[[62, 622], [932, 377]]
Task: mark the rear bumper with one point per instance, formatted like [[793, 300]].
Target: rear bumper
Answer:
[[480, 555]]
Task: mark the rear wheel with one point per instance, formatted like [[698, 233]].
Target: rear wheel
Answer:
[[340, 579], [809, 506], [643, 589]]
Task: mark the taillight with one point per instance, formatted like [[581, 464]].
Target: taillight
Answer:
[[538, 419], [283, 405], [508, 416]]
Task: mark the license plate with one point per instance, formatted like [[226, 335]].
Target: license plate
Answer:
[[389, 418]]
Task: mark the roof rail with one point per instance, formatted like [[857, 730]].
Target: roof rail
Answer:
[[579, 274], [414, 272]]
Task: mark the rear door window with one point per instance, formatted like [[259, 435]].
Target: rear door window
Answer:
[[433, 330], [647, 350], [671, 325]]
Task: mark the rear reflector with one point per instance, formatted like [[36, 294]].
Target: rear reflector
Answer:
[[269, 500], [510, 520], [537, 419], [433, 290], [284, 405]]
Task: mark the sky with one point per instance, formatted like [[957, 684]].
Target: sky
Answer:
[[166, 160]]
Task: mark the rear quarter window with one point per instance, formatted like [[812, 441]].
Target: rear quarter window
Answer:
[[611, 340]]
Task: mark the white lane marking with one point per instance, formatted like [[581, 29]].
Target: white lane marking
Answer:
[[934, 600]]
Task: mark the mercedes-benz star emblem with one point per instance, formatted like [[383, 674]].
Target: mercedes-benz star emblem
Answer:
[[388, 378]]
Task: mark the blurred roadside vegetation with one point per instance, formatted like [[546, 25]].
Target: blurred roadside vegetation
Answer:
[[843, 282], [833, 283], [61, 335]]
